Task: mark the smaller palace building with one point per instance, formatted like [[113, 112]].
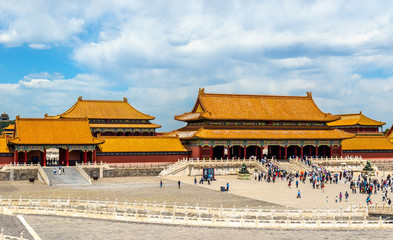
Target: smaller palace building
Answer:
[[91, 130], [369, 141], [71, 136], [233, 125]]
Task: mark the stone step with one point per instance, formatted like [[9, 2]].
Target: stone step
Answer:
[[71, 176]]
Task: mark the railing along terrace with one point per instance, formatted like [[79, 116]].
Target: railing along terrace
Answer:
[[352, 211], [8, 237], [214, 217], [341, 158]]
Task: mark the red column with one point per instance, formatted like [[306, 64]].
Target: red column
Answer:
[[296, 151], [316, 151], [240, 152], [331, 151], [67, 157], [25, 156], [301, 151], [44, 157], [279, 152], [286, 152], [94, 155], [256, 151], [16, 156], [200, 152], [229, 152], [324, 150], [211, 152], [85, 157], [245, 151]]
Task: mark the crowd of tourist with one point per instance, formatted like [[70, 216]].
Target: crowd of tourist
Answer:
[[320, 176]]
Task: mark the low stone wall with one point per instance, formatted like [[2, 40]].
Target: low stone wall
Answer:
[[384, 166], [4, 176], [19, 174], [123, 172]]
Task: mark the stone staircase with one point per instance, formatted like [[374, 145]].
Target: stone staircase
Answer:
[[71, 176]]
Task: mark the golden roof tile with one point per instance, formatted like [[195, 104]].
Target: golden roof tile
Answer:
[[367, 143], [141, 144], [3, 145], [110, 125], [255, 107], [355, 119], [268, 134], [10, 127], [103, 109], [38, 131]]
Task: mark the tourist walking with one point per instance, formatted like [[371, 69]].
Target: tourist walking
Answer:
[[160, 183], [346, 196], [299, 194], [227, 186], [178, 184], [195, 181], [341, 196]]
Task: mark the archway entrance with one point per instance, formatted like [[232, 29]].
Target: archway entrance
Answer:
[[237, 152], [294, 151], [218, 152]]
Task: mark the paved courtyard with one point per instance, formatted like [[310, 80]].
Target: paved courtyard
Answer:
[[280, 193], [241, 193]]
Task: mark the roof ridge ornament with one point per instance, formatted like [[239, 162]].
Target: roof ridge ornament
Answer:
[[309, 94], [125, 99], [80, 98], [201, 91]]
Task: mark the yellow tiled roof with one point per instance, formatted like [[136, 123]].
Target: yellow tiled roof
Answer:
[[3, 145], [390, 134], [10, 127], [141, 144], [100, 109], [255, 107], [333, 134], [38, 131], [101, 125], [367, 143], [355, 119]]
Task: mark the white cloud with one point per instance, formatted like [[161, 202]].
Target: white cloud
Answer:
[[160, 53], [39, 46]]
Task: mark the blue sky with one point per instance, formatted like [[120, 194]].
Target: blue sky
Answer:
[[158, 53]]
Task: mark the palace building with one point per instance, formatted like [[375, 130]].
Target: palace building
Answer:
[[232, 125], [111, 118], [71, 136], [369, 141], [91, 131]]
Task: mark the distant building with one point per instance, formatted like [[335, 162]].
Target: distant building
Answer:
[[4, 117], [369, 141]]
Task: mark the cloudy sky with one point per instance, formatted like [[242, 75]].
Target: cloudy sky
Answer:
[[158, 53]]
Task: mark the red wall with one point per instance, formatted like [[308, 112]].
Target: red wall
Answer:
[[6, 160], [140, 158], [196, 151], [369, 155]]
